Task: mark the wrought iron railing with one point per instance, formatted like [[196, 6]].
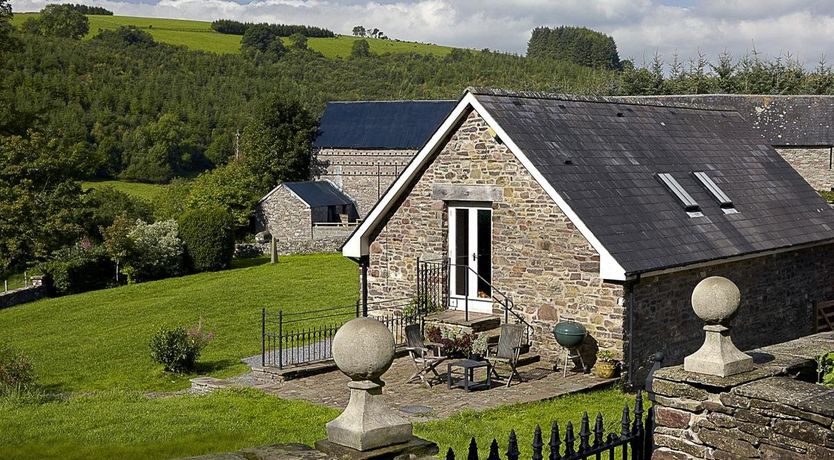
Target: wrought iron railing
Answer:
[[634, 440], [305, 337], [433, 289]]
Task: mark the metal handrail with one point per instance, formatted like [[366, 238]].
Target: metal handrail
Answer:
[[507, 303]]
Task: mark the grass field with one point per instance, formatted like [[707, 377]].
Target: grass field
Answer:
[[92, 349], [99, 340], [198, 35], [140, 190]]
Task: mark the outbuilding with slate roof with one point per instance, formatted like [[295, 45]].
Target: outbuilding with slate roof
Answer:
[[363, 146], [607, 213], [304, 211]]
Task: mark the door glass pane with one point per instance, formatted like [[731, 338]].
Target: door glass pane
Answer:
[[484, 252], [461, 257]]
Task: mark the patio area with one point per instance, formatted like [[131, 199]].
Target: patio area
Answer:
[[419, 403]]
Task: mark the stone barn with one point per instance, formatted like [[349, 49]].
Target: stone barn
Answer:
[[607, 213], [363, 146], [313, 216]]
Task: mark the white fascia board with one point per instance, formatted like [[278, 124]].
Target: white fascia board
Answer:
[[609, 268], [357, 245]]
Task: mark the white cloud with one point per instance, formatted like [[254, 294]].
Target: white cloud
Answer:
[[804, 28]]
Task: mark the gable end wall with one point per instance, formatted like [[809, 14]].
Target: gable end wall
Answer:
[[539, 257]]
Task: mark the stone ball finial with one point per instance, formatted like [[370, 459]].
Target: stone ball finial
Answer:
[[363, 349], [715, 300]]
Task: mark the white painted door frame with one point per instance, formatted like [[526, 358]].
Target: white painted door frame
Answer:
[[478, 295]]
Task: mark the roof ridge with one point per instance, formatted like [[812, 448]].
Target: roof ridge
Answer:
[[624, 100], [393, 101]]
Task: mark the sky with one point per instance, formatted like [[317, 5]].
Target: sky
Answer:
[[803, 29]]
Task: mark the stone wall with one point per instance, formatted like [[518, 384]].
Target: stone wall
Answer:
[[318, 246], [22, 295], [813, 164], [778, 293], [364, 175], [763, 413], [333, 231], [285, 216], [539, 257]]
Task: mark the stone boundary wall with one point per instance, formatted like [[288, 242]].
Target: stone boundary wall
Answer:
[[22, 295], [812, 163], [321, 232], [764, 413], [319, 246]]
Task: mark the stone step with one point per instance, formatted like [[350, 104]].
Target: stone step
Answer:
[[477, 322]]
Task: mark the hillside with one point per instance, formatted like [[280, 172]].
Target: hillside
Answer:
[[198, 35]]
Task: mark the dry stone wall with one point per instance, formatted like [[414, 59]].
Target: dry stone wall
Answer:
[[539, 257], [813, 164], [22, 295], [364, 175], [763, 413], [778, 294]]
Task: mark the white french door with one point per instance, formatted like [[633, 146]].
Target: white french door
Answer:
[[470, 254]]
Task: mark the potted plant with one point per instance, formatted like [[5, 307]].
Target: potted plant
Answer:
[[606, 365], [479, 347]]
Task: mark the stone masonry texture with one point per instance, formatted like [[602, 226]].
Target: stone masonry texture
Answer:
[[285, 216], [22, 295], [763, 413], [813, 164], [778, 294], [539, 257], [364, 175], [552, 272]]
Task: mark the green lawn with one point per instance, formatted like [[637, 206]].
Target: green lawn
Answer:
[[198, 35], [99, 340], [137, 189], [456, 431], [92, 348], [128, 425], [131, 425]]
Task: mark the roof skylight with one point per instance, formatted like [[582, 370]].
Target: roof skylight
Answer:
[[723, 200], [689, 204]]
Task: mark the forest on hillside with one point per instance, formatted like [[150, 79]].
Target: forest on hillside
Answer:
[[123, 106]]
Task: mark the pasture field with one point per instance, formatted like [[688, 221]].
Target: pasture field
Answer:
[[198, 36]]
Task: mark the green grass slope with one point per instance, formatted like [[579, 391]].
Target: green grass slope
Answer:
[[136, 189], [198, 35], [99, 340]]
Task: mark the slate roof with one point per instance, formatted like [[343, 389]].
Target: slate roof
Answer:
[[396, 125], [317, 193], [616, 149], [782, 120]]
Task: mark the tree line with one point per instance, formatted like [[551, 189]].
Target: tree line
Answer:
[[228, 26], [123, 106]]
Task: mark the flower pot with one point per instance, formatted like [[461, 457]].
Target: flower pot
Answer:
[[605, 370]]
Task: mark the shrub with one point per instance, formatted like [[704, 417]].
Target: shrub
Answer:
[[208, 237], [77, 269], [455, 343], [178, 349], [157, 250], [106, 204], [16, 371], [825, 369]]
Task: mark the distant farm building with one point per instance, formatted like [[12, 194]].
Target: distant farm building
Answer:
[[313, 215], [363, 146]]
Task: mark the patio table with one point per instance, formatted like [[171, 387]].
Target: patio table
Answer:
[[466, 368]]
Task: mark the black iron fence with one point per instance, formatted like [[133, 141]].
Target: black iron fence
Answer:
[[306, 337], [434, 292], [634, 440]]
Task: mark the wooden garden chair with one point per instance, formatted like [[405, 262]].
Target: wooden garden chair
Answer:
[[507, 350], [425, 356]]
